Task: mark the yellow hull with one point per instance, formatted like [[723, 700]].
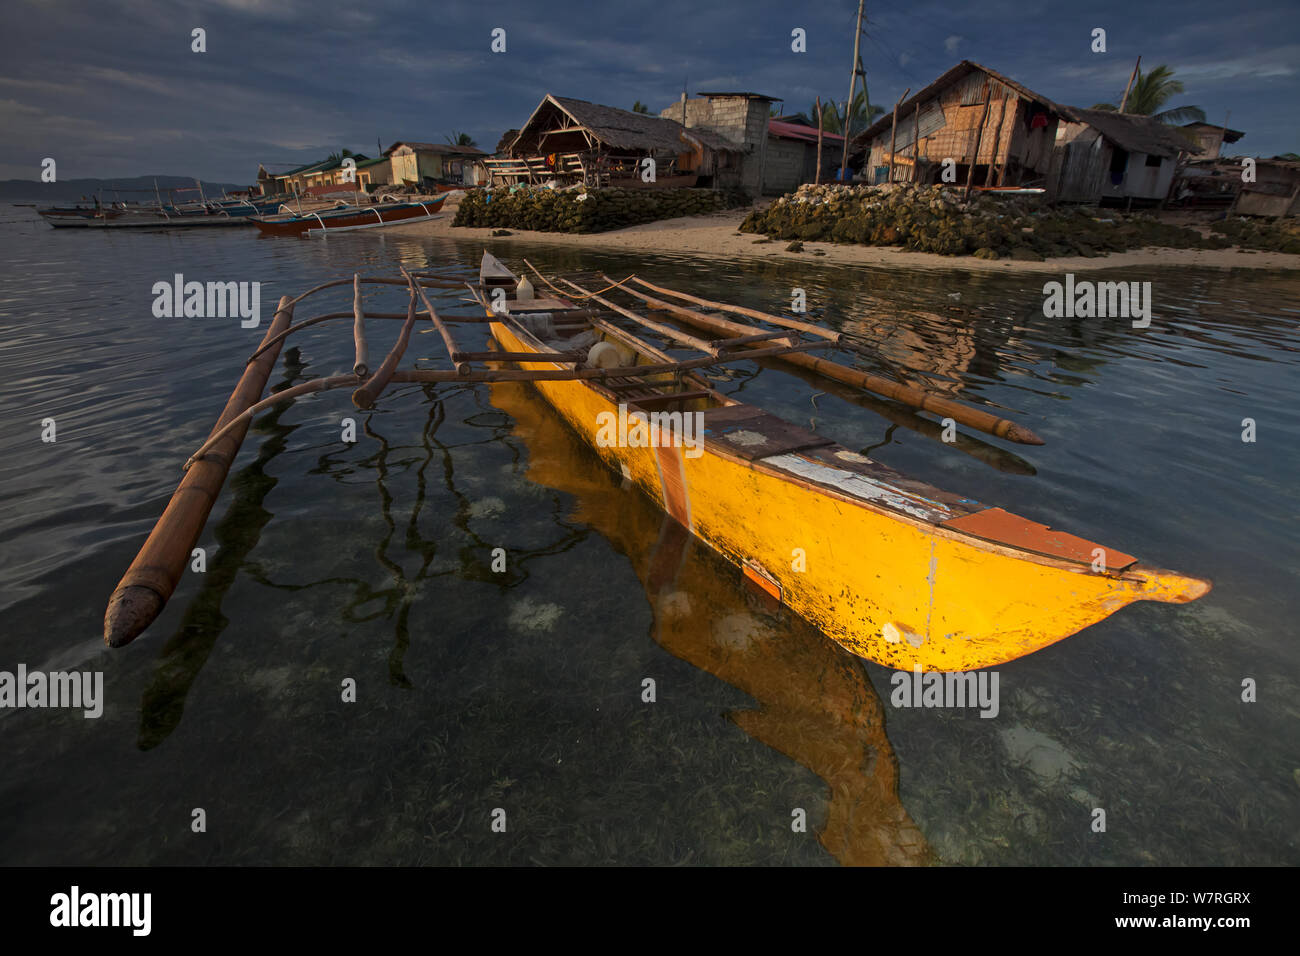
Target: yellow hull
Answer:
[[901, 590]]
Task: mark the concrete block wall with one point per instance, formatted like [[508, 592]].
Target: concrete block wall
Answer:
[[783, 170]]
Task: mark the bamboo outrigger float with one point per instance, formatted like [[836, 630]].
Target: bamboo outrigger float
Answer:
[[895, 570]]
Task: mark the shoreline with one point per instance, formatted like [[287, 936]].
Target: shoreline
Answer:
[[715, 235]]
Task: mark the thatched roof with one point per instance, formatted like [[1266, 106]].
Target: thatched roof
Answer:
[[958, 72], [1137, 134], [618, 128]]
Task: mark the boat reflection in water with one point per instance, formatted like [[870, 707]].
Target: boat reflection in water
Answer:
[[815, 702]]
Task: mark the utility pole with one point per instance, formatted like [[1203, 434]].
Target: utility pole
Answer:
[[848, 107], [1132, 76], [817, 176]]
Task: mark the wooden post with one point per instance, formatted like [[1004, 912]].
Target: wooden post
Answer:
[[979, 135], [997, 137], [817, 177], [848, 107], [916, 142], [1132, 76], [893, 134]]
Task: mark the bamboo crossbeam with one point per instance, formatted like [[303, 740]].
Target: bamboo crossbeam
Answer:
[[360, 366], [367, 394], [628, 339], [756, 337], [915, 397], [372, 280], [677, 335], [317, 319], [243, 419], [453, 351], [522, 356], [475, 376], [740, 310], [157, 569]]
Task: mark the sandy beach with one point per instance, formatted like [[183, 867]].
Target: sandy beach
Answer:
[[716, 235]]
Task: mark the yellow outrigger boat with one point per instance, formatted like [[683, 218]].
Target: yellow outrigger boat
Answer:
[[893, 569]]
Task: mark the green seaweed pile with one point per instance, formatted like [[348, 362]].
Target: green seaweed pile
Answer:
[[939, 220], [1262, 234], [580, 210]]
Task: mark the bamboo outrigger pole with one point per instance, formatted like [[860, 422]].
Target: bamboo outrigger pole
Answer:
[[157, 569], [453, 351], [677, 335], [741, 310], [915, 397], [359, 367], [365, 396]]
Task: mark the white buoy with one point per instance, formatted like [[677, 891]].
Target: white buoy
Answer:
[[524, 291], [604, 355]]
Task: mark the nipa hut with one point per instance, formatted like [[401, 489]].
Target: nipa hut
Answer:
[[574, 141], [1211, 138], [1275, 190], [1104, 156], [971, 116]]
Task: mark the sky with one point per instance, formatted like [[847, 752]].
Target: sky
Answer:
[[113, 88]]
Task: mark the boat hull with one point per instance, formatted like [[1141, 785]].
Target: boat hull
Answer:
[[905, 590], [364, 217]]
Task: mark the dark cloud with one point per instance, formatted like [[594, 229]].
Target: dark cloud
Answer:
[[112, 88]]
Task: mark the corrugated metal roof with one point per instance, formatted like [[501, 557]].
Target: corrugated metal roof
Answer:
[[309, 168], [800, 132], [749, 96], [442, 149]]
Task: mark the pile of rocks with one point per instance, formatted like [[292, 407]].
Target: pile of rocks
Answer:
[[938, 219], [577, 209]]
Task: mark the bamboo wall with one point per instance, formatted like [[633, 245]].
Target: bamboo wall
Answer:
[[1005, 141]]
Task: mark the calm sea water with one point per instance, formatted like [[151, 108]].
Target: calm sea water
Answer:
[[523, 691]]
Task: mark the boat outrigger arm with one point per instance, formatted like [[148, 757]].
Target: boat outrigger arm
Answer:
[[893, 569]]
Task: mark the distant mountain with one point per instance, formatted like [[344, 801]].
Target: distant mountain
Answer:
[[136, 188]]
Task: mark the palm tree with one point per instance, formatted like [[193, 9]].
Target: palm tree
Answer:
[[461, 139], [507, 138], [336, 159], [1150, 92], [639, 107], [864, 114]]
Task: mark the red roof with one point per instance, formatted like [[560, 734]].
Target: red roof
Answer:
[[795, 131]]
